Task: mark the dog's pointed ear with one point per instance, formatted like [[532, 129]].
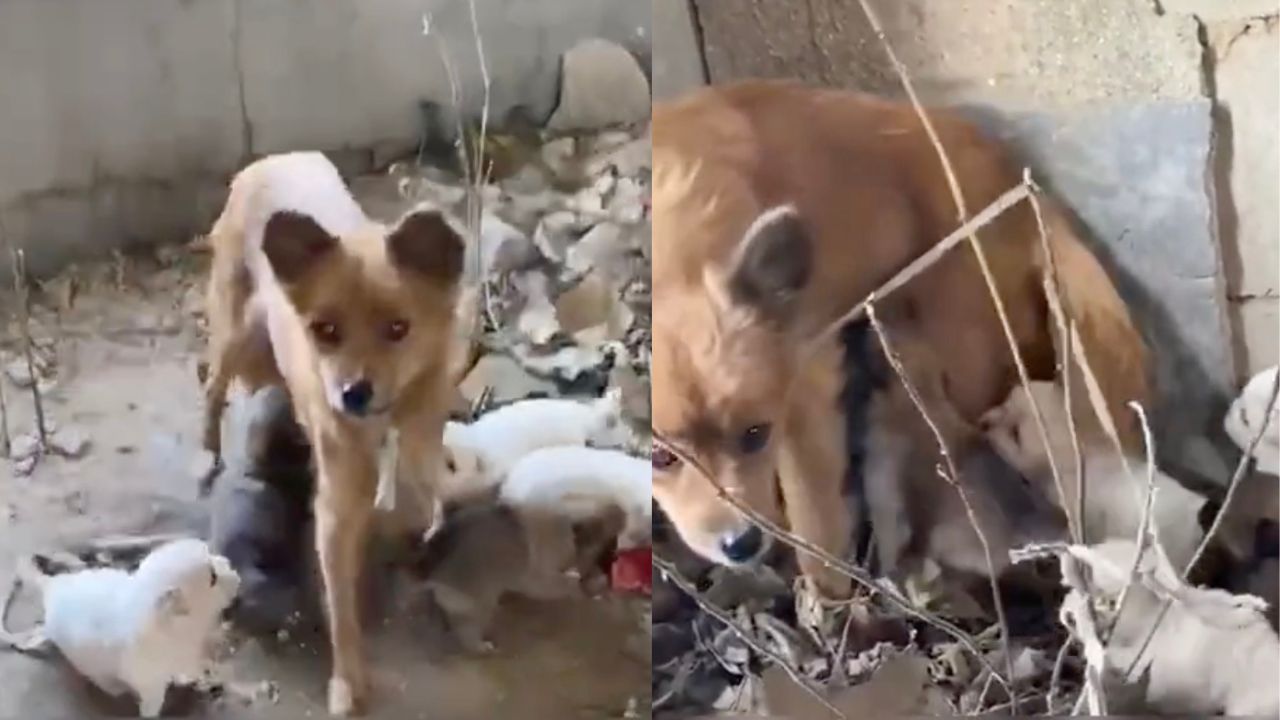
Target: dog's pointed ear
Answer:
[[427, 243], [769, 269], [293, 243], [172, 604]]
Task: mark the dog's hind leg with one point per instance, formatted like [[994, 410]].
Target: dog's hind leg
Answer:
[[343, 509]]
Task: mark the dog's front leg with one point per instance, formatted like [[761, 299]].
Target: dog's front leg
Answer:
[[419, 465], [811, 468], [343, 509]]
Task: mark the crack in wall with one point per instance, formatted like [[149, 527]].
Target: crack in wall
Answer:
[[246, 124]]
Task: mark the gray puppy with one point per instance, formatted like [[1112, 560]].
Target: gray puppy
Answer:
[[262, 513], [486, 550]]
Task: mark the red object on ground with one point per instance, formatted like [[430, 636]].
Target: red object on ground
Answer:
[[632, 571]]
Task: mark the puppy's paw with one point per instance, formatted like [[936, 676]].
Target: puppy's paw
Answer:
[[345, 700]]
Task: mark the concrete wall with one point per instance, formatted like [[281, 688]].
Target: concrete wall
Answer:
[[1155, 121], [120, 120]]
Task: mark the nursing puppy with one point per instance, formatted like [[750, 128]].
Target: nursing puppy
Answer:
[[765, 233], [1114, 498], [137, 632], [581, 483], [487, 550], [356, 319], [261, 512], [479, 454]]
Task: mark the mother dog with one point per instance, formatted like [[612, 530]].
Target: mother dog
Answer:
[[776, 208]]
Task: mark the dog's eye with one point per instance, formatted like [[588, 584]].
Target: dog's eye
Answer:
[[662, 458], [450, 465], [397, 329], [213, 577], [326, 332], [754, 439]]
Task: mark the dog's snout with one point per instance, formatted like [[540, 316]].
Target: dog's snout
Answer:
[[744, 546], [357, 396]]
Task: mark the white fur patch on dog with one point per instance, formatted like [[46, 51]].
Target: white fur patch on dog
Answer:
[[138, 632], [580, 483]]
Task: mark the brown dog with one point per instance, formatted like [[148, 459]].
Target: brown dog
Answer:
[[357, 320], [776, 208]]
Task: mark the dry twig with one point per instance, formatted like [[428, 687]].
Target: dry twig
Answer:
[[18, 259], [669, 571], [858, 575], [952, 476]]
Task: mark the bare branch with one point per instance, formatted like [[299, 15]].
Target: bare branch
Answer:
[[856, 574], [669, 571], [952, 476]]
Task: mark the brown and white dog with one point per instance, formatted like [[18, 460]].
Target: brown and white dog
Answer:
[[776, 208], [357, 319]]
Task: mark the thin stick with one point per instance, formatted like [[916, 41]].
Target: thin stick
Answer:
[[669, 571], [6, 442], [1143, 541], [952, 476], [1063, 317], [856, 574], [986, 216], [18, 258], [1055, 678], [963, 215], [1246, 461]]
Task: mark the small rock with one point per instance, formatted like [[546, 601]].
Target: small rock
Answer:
[[23, 447], [587, 304], [507, 379], [70, 442], [555, 234], [627, 203], [601, 85], [630, 160], [18, 373], [505, 248], [601, 248], [558, 155], [25, 466]]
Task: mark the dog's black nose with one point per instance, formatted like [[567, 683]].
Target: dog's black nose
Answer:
[[743, 547], [356, 397]]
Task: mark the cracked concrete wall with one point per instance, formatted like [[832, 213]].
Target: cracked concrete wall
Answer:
[[1155, 121], [121, 120]]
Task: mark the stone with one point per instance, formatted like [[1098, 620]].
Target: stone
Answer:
[[601, 248], [601, 85], [506, 378], [18, 373], [23, 447], [70, 442], [503, 247], [627, 203], [558, 155], [556, 233], [586, 304]]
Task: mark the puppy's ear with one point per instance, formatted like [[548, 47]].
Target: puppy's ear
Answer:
[[294, 243], [769, 269], [172, 604], [425, 242]]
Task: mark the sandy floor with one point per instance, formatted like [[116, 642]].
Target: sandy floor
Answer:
[[126, 355]]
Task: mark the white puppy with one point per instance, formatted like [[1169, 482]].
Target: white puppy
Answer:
[[478, 455], [1113, 498], [581, 483], [1245, 417], [137, 632]]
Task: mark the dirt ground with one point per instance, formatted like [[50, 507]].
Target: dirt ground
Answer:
[[125, 351]]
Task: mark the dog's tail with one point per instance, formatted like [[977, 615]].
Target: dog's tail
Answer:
[[1112, 346], [32, 641]]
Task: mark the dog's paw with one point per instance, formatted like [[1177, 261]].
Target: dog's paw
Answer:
[[344, 700]]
